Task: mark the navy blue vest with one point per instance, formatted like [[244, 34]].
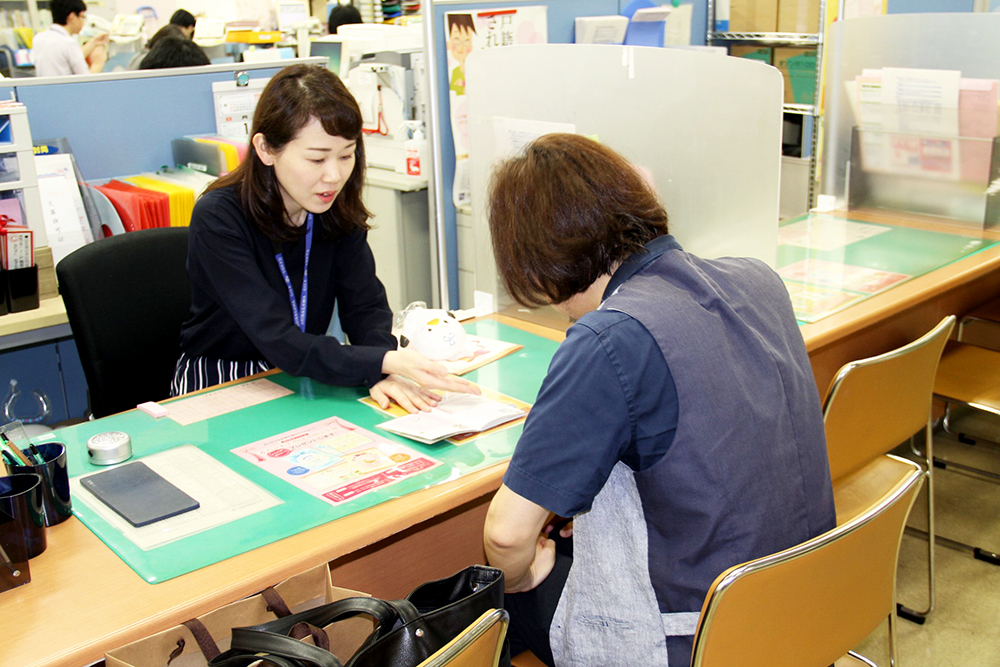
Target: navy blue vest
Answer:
[[746, 474]]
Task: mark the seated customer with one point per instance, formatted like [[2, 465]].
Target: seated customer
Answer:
[[174, 52], [679, 422]]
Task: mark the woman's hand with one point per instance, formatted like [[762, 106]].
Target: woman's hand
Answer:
[[426, 373], [407, 394]]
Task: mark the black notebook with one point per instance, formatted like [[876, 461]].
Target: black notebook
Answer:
[[138, 494]]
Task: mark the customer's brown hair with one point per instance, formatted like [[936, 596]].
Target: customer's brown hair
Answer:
[[292, 98], [565, 212]]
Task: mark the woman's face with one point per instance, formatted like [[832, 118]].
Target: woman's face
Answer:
[[311, 169]]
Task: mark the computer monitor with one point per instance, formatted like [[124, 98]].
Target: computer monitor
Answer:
[[292, 15], [331, 50]]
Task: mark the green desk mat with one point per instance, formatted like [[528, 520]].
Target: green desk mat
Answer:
[[519, 375], [900, 250]]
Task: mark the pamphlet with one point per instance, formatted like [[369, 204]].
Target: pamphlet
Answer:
[[478, 352], [335, 460], [454, 415]]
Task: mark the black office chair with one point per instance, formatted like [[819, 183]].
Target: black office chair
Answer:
[[126, 298]]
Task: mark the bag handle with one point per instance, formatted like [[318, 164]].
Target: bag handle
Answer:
[[273, 638], [202, 636], [275, 603]]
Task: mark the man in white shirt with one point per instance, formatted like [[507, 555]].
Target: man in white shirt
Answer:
[[57, 53]]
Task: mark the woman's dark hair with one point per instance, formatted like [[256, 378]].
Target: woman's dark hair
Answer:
[[169, 30], [183, 18], [342, 15], [565, 212], [293, 97], [174, 51]]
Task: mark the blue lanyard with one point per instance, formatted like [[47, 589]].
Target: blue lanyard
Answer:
[[299, 309]]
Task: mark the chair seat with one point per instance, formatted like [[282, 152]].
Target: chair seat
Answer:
[[856, 492], [989, 312], [526, 659], [971, 375]]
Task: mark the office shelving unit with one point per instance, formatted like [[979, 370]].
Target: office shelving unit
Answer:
[[17, 175], [12, 14], [772, 39]]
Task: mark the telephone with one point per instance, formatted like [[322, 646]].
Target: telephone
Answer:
[[127, 25]]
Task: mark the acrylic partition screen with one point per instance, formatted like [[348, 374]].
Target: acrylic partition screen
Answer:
[[967, 42], [708, 129]]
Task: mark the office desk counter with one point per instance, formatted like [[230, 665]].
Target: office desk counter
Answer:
[[906, 311], [47, 322], [84, 600]]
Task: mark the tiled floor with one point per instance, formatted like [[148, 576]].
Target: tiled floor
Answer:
[[963, 628]]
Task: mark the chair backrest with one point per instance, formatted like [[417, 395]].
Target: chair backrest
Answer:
[[809, 605], [479, 645], [874, 404], [126, 298]]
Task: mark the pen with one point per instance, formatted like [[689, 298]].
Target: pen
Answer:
[[15, 452], [9, 563]]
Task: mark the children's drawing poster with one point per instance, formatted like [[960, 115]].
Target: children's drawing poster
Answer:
[[470, 31]]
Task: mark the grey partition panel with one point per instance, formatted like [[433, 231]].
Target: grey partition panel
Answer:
[[120, 125], [968, 42], [706, 126]]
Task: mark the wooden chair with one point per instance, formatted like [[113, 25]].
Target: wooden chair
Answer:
[[480, 645], [811, 604], [871, 407]]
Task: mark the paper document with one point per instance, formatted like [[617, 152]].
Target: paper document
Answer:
[[478, 352], [223, 495], [66, 225], [334, 460], [456, 414], [827, 233], [222, 401]]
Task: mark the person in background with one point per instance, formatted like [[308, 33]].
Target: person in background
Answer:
[[57, 53], [174, 51], [184, 20], [169, 30], [342, 15], [279, 241], [679, 422]]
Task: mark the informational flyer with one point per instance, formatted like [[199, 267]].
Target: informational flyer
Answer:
[[335, 460], [812, 303], [843, 276], [827, 233]]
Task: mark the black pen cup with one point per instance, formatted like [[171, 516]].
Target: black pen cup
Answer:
[[21, 498], [56, 504]]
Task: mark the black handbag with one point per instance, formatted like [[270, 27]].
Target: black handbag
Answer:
[[407, 631]]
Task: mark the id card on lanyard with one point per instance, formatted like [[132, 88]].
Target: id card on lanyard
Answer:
[[299, 307]]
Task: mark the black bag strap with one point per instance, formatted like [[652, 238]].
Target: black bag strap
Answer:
[[278, 639]]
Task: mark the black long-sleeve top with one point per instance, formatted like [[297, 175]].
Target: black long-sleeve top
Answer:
[[240, 309]]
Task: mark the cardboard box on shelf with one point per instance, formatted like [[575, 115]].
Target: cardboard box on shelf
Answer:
[[761, 53], [798, 67], [800, 16], [753, 15], [47, 286]]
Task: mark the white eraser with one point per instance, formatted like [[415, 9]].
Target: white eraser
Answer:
[[153, 409]]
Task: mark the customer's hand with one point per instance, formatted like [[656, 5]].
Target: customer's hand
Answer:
[[426, 373]]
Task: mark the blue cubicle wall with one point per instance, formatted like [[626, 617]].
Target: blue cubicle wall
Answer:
[[122, 123]]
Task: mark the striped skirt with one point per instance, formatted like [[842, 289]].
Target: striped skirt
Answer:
[[194, 373]]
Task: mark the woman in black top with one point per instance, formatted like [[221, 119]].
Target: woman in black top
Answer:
[[277, 242]]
